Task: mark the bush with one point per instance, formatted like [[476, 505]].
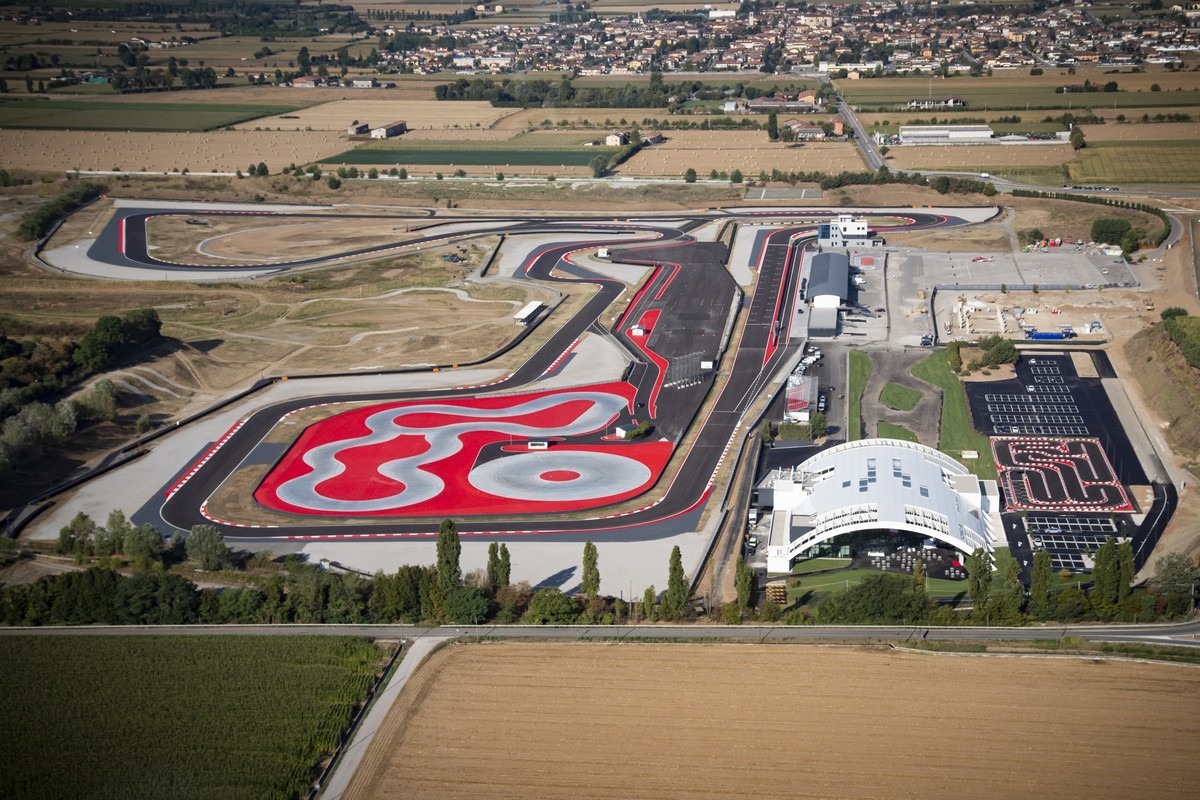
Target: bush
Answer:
[[1185, 333], [1172, 312], [37, 222]]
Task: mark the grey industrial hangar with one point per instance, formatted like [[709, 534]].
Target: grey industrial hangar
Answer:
[[828, 289]]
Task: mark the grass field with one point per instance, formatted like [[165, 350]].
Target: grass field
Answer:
[[93, 115], [900, 397], [889, 431], [817, 564], [178, 717], [810, 589], [1022, 91], [860, 373], [956, 432], [1138, 162]]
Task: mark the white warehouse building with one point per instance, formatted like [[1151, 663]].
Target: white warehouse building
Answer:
[[946, 134], [878, 485]]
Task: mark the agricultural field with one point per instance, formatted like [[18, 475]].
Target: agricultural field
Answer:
[[1153, 132], [493, 156], [1018, 90], [983, 157], [1138, 162], [699, 733], [214, 151], [180, 717], [380, 106], [748, 151], [152, 116]]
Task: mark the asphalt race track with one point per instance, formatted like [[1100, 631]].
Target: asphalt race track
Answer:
[[685, 303]]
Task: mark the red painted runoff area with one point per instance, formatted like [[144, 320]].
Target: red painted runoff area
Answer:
[[362, 478], [647, 323]]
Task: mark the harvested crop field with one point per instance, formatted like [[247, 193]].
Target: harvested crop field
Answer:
[[749, 151], [1139, 132], [623, 721], [215, 151], [981, 156], [377, 107]]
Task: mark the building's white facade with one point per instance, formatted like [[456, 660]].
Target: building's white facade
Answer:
[[880, 485], [945, 134], [846, 231]]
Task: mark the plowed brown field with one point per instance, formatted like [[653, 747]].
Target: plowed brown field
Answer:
[[719, 721]]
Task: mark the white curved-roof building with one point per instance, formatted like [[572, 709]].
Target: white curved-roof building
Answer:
[[879, 485]]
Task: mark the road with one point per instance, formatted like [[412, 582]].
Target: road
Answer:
[[1183, 634]]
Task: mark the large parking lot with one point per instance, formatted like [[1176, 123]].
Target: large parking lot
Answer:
[[1066, 463]]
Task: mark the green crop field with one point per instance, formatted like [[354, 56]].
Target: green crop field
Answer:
[[982, 94], [889, 431], [1138, 162], [900, 397], [176, 717], [86, 115], [471, 157], [957, 433]]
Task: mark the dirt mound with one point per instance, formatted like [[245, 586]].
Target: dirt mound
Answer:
[[1170, 386]]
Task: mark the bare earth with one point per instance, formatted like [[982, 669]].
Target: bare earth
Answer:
[[576, 721], [748, 151], [215, 151]]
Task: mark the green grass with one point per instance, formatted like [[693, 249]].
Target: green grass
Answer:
[[889, 431], [956, 431], [86, 115], [983, 96], [818, 564], [1138, 162], [810, 589], [178, 717], [900, 397], [491, 157], [860, 373]]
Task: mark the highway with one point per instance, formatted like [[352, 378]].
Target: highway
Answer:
[[1182, 634]]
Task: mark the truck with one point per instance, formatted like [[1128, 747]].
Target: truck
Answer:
[[1051, 336]]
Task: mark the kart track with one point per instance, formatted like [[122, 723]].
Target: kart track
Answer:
[[386, 469], [1043, 474]]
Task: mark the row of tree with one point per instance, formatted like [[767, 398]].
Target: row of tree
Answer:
[[305, 592]]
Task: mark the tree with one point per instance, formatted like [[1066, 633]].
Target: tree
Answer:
[[599, 166], [467, 605], [591, 571], [676, 597], [1012, 596], [1175, 578], [550, 607], [1107, 576], [818, 425], [689, 175], [206, 546], [1110, 230], [503, 567], [1072, 605], [744, 580], [261, 170], [144, 546], [449, 551], [1125, 570], [1172, 312], [989, 189], [736, 176], [773, 126], [334, 183], [1077, 139], [979, 579], [648, 598], [919, 576], [765, 432], [1039, 586], [493, 565]]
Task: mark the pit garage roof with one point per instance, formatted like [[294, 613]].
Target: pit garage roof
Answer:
[[829, 274]]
